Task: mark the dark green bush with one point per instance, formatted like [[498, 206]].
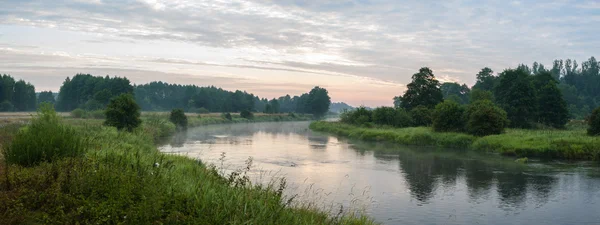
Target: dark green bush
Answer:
[[246, 114], [292, 115], [358, 116], [448, 116], [178, 118], [46, 139], [594, 123], [78, 113], [422, 116], [97, 114], [391, 117], [227, 116], [123, 112], [484, 118], [6, 106], [203, 111]]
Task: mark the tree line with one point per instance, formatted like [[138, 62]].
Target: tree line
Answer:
[[87, 92]]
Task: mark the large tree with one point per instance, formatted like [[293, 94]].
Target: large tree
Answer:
[[452, 90], [123, 113], [423, 90], [318, 102], [46, 96], [485, 80], [516, 94], [552, 109]]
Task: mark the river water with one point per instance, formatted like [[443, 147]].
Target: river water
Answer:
[[397, 184]]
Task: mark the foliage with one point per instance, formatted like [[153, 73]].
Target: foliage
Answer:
[[422, 116], [203, 110], [448, 117], [423, 90], [6, 106], [485, 80], [46, 96], [226, 116], [358, 116], [484, 118], [594, 123], [459, 93], [246, 114], [123, 113], [178, 118], [20, 94], [46, 139], [552, 107], [317, 102], [89, 92], [78, 113], [516, 94], [480, 95], [391, 117]]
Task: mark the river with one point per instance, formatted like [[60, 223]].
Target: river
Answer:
[[397, 184]]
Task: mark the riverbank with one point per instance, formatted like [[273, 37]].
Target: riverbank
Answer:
[[571, 144], [123, 179]]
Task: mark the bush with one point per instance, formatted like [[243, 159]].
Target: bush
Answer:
[[421, 116], [226, 116], [392, 117], [123, 112], [6, 106], [97, 114], [78, 113], [594, 123], [158, 127], [359, 116], [484, 118], [448, 116], [246, 114], [46, 139], [203, 111], [178, 118]]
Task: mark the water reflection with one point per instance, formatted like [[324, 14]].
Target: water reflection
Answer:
[[402, 184]]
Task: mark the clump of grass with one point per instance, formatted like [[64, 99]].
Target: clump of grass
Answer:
[[157, 127], [46, 139]]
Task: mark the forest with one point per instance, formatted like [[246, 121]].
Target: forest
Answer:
[[87, 92]]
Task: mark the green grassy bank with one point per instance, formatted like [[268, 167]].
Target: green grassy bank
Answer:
[[121, 178], [571, 144]]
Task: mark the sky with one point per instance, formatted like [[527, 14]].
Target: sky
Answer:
[[363, 51]]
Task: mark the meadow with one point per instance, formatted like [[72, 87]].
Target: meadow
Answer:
[[106, 176], [569, 144]]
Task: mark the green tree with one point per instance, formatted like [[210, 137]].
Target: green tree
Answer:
[[422, 116], [358, 116], [484, 118], [594, 123], [46, 96], [516, 94], [391, 117], [318, 102], [123, 113], [485, 80], [552, 108], [479, 95], [448, 116], [456, 91], [179, 118], [423, 90]]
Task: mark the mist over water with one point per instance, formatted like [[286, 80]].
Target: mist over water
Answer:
[[400, 184]]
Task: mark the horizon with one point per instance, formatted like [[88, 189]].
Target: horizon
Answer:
[[362, 52]]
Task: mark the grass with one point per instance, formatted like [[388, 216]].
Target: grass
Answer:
[[123, 179], [571, 144]]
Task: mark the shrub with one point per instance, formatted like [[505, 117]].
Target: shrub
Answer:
[[227, 116], [421, 116], [123, 112], [203, 111], [448, 116], [158, 127], [46, 139], [292, 115], [6, 106], [392, 117], [97, 114], [178, 118], [246, 114], [358, 116], [484, 118], [78, 113], [594, 123]]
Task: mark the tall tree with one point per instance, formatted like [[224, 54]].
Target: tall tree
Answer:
[[423, 90], [485, 80], [515, 93], [318, 102], [461, 92], [46, 96]]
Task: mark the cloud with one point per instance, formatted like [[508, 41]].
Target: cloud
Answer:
[[377, 42]]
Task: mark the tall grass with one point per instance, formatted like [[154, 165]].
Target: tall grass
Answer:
[[46, 139], [123, 179], [572, 144]]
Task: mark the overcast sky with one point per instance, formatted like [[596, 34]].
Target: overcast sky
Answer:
[[363, 51]]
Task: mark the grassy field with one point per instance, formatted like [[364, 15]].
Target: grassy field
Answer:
[[121, 178], [571, 144]]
